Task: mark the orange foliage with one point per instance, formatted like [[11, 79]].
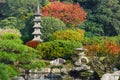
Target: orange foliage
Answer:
[[92, 49], [112, 48], [32, 44], [69, 13]]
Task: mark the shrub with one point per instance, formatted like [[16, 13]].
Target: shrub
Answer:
[[71, 14], [112, 48], [10, 31], [32, 44], [50, 25], [57, 48], [73, 35]]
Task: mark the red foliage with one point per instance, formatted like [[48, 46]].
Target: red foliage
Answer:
[[32, 44], [69, 13]]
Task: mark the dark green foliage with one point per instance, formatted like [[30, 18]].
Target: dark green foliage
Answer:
[[105, 13], [57, 48], [50, 25], [44, 2], [19, 7], [92, 28], [3, 74], [12, 22], [69, 1]]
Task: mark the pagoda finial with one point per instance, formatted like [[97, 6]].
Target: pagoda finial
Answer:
[[38, 7]]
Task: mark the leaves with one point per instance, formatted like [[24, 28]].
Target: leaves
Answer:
[[32, 44], [50, 25], [73, 35], [69, 13], [12, 22], [57, 48]]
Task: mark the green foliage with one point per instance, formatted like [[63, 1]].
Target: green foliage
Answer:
[[105, 13], [10, 34], [44, 2], [69, 1], [72, 35], [19, 7], [3, 74], [92, 40], [16, 55], [92, 28], [6, 71], [12, 22], [50, 25], [57, 48], [10, 46]]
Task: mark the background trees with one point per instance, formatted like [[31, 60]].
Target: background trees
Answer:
[[105, 15]]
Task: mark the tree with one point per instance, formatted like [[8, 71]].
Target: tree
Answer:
[[91, 28], [50, 25], [12, 22], [71, 14], [105, 13], [16, 55], [20, 7]]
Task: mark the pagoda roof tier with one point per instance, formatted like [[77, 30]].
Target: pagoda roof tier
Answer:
[[37, 39], [37, 20], [37, 14], [37, 32], [37, 26]]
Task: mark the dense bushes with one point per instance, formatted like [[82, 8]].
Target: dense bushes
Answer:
[[73, 35], [57, 48], [104, 53]]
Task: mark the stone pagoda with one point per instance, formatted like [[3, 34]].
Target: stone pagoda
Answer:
[[37, 26]]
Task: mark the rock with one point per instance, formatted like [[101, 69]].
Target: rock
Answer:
[[18, 78], [112, 76]]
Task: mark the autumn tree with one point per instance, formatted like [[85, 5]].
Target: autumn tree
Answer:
[[71, 14]]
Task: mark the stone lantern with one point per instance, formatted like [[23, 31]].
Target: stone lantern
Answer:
[[81, 57], [37, 26]]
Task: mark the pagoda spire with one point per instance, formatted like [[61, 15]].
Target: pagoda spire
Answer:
[[37, 26], [38, 8]]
